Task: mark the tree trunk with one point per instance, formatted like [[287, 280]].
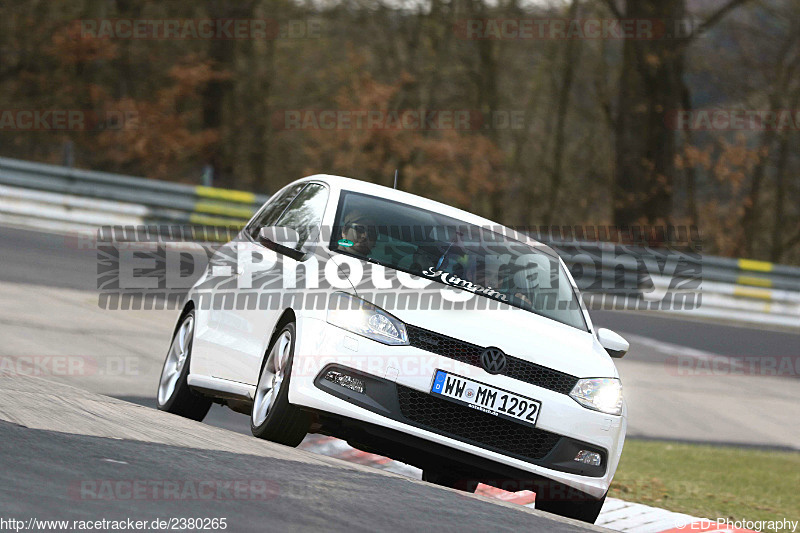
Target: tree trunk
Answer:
[[776, 251], [568, 73], [750, 215], [649, 88], [216, 93], [690, 171]]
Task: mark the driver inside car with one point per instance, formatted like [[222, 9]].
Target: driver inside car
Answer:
[[360, 229]]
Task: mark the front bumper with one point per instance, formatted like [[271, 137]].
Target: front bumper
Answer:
[[399, 378]]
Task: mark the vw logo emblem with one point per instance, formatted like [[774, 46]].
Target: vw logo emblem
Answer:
[[493, 360]]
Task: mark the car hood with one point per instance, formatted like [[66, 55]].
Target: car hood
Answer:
[[521, 334]]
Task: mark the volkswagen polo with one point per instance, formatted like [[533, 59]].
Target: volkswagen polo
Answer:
[[410, 329]]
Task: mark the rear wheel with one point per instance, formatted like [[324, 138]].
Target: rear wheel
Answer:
[[450, 479], [174, 394], [273, 417]]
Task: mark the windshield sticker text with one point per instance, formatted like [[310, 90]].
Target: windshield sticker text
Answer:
[[454, 281]]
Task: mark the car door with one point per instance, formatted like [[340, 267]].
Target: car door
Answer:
[[219, 290], [247, 327]]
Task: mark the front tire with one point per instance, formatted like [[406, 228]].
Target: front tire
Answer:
[[571, 504], [449, 479], [273, 417], [174, 395]]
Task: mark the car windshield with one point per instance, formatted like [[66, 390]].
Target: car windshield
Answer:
[[457, 254]]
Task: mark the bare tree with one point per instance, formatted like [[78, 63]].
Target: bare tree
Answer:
[[651, 85]]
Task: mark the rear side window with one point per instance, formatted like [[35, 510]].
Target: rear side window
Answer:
[[273, 209], [305, 212]]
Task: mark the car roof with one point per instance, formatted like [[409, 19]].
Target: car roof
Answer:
[[342, 183]]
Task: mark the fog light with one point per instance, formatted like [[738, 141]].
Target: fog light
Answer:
[[589, 458], [348, 382]]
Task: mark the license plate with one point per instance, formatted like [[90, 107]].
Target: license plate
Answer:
[[477, 395]]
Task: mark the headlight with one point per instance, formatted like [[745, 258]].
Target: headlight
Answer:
[[600, 394], [359, 316]]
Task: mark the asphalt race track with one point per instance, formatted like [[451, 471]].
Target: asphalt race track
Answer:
[[722, 339], [298, 497], [84, 471], [45, 259]]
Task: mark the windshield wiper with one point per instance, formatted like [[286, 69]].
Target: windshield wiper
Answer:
[[447, 250]]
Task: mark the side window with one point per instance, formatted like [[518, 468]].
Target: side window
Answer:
[[304, 214], [273, 209]]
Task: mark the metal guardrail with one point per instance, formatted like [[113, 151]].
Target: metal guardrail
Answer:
[[58, 197], [754, 279], [165, 202]]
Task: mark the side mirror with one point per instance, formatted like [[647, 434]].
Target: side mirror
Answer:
[[281, 239], [615, 344]]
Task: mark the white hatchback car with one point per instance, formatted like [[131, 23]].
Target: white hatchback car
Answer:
[[410, 329]]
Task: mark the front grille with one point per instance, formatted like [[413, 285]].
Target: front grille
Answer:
[[475, 427], [516, 368]]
